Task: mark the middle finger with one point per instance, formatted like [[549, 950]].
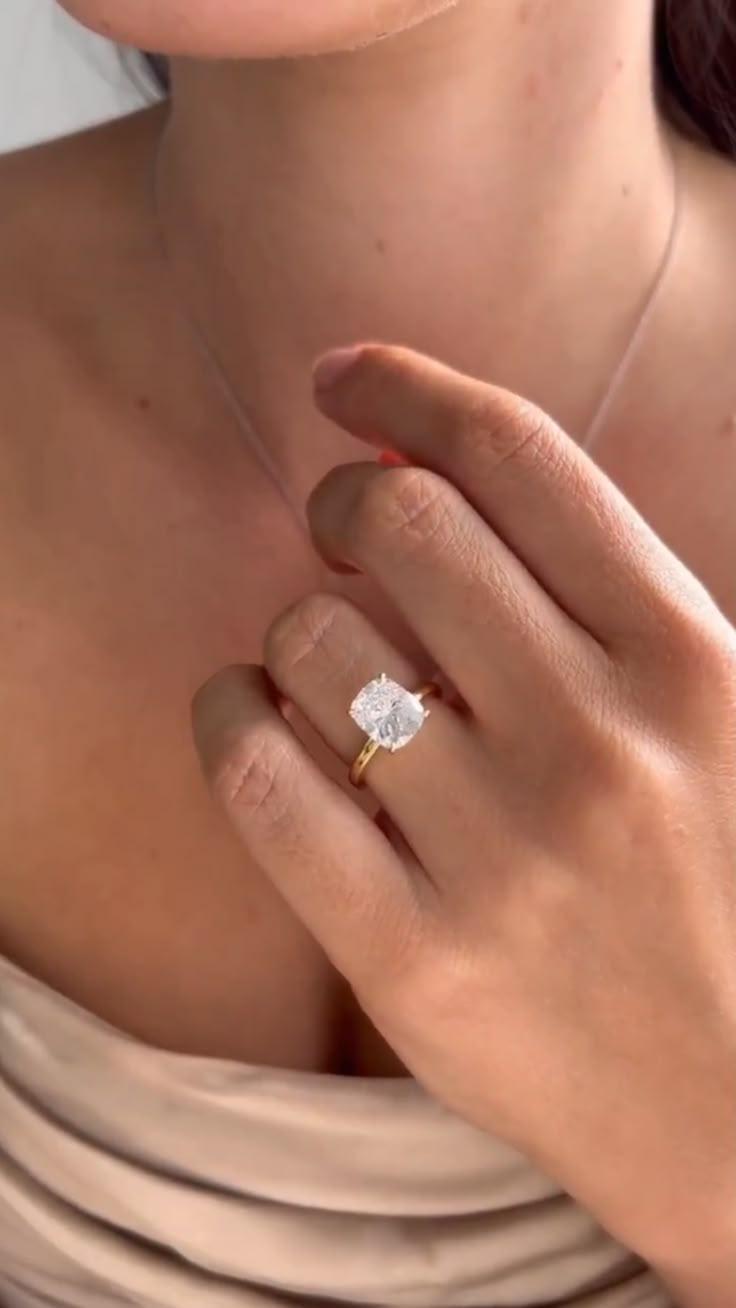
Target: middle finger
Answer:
[[502, 640]]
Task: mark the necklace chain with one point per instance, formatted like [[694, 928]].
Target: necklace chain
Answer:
[[260, 448]]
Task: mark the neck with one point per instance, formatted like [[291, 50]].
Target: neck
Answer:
[[491, 187]]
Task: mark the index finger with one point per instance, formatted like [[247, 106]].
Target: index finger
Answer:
[[561, 515]]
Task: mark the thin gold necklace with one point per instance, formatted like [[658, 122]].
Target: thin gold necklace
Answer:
[[260, 448]]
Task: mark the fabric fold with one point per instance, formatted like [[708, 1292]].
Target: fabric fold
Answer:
[[132, 1176]]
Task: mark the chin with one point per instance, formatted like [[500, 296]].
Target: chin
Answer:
[[251, 28]]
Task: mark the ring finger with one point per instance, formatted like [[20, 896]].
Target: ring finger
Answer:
[[320, 653]]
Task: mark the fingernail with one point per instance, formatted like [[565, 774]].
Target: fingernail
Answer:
[[390, 459], [335, 364]]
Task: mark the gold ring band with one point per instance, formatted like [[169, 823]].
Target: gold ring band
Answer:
[[371, 747]]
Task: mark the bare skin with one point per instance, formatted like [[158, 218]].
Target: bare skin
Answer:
[[141, 547]]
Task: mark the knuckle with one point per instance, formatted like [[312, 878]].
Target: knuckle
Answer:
[[703, 645], [593, 714], [654, 784], [255, 775], [507, 430], [600, 732], [300, 633], [422, 506], [409, 505], [595, 721], [606, 756], [636, 772]]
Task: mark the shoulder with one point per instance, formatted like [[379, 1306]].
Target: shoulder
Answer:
[[62, 202], [73, 221]]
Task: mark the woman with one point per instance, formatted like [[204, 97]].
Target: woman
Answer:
[[211, 1031]]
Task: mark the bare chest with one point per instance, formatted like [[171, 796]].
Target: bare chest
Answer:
[[120, 884]]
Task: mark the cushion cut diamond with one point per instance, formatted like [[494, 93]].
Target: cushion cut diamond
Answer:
[[388, 713]]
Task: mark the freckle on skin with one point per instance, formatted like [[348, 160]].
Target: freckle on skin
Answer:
[[531, 87], [380, 245], [523, 13], [619, 65], [143, 403], [728, 426], [626, 190]]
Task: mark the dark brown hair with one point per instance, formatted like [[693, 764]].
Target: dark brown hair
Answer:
[[695, 42], [696, 58]]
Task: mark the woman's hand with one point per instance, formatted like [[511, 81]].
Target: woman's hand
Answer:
[[545, 931]]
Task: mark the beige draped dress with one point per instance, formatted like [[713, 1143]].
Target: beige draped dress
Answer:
[[138, 1178]]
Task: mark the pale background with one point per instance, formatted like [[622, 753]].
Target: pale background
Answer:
[[54, 76]]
